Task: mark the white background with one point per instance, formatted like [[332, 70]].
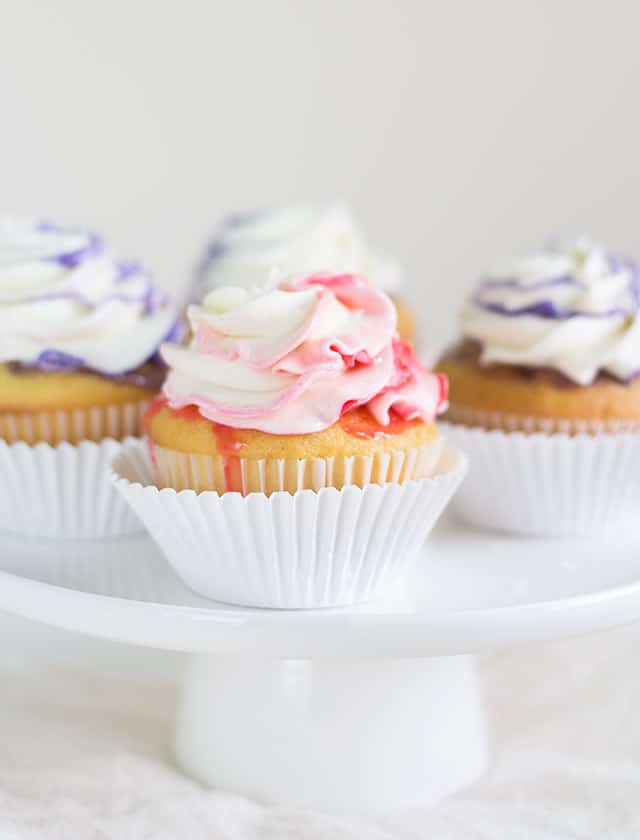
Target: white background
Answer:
[[458, 131]]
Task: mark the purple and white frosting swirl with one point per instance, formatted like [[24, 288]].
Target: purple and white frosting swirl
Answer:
[[292, 241], [66, 304], [573, 308]]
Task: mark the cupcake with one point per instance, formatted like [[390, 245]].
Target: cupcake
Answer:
[[314, 426], [294, 241], [78, 364], [78, 351], [299, 386], [549, 359]]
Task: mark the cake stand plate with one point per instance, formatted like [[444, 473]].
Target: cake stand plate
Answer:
[[361, 709]]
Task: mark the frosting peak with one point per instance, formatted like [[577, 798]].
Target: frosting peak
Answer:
[[573, 308], [292, 358], [293, 241], [66, 303]]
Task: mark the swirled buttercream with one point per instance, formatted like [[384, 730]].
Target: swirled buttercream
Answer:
[[574, 309], [293, 358], [66, 304], [292, 241]]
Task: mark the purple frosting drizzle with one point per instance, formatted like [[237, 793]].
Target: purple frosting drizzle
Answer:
[[57, 361], [128, 269], [54, 361], [177, 332], [71, 259], [547, 308], [149, 295], [514, 283]]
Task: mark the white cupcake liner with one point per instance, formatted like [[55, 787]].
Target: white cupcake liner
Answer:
[[459, 414], [549, 485], [97, 422], [289, 551], [184, 471], [62, 492]]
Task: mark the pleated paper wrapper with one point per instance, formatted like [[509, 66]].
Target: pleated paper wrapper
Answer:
[[224, 474], [97, 422], [303, 550], [557, 484], [461, 415], [62, 492]]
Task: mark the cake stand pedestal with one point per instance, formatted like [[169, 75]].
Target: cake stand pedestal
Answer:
[[338, 734], [364, 709]]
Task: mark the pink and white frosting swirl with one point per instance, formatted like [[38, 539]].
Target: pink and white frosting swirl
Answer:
[[293, 358]]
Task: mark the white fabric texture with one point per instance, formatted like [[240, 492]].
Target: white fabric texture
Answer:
[[86, 754]]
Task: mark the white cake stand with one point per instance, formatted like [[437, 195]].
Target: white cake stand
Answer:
[[363, 709]]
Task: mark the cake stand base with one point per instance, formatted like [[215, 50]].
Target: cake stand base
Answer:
[[359, 735], [364, 709]]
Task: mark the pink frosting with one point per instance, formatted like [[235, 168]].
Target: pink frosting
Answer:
[[335, 348]]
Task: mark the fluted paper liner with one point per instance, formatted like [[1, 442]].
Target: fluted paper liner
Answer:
[[62, 492], [74, 425], [302, 550], [184, 471], [461, 415], [549, 484]]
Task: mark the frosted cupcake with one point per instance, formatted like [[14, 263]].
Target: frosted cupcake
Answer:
[[303, 385], [298, 240], [80, 334], [550, 345], [78, 369], [314, 425]]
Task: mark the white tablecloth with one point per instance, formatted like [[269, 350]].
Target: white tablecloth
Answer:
[[84, 752]]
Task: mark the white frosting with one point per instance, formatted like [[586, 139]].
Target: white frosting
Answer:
[[60, 291], [573, 309], [290, 242]]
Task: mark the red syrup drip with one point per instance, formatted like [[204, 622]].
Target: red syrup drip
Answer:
[[363, 425], [156, 406], [226, 442], [228, 445]]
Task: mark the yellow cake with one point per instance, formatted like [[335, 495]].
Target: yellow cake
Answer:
[[54, 407], [500, 395], [186, 430], [407, 322]]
